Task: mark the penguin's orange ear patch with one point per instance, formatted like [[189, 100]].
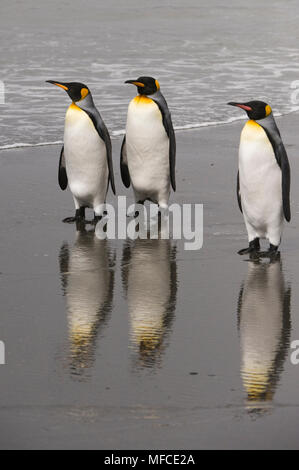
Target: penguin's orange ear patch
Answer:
[[268, 110], [157, 84], [84, 93]]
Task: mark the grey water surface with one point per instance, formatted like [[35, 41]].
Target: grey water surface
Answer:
[[203, 53]]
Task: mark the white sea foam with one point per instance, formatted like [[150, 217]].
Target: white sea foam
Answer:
[[23, 144], [122, 132]]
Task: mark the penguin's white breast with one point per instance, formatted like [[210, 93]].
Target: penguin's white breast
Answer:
[[260, 175], [85, 152], [147, 142], [256, 152]]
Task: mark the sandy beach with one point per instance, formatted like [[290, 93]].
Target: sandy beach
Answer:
[[88, 382]]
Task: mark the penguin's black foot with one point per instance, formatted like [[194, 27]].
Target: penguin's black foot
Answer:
[[254, 256], [70, 220], [274, 256], [254, 247], [246, 251], [272, 249], [271, 253], [80, 225], [97, 218], [79, 216]]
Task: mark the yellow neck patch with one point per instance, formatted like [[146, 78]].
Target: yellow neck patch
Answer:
[[251, 131], [268, 110], [142, 99], [74, 107], [252, 123]]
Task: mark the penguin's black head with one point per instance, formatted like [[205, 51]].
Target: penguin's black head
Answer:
[[255, 110], [145, 85], [76, 91]]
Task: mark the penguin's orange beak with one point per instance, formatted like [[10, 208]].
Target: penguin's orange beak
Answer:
[[134, 82], [240, 105], [61, 85]]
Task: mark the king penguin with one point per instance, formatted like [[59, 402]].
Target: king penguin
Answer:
[[263, 180], [85, 162], [148, 150]]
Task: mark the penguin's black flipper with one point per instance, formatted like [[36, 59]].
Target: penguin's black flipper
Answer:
[[280, 153], [286, 180], [159, 99], [107, 140], [62, 176], [104, 134], [239, 193], [124, 170]]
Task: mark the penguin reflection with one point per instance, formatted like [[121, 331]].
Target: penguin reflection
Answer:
[[264, 326], [87, 278], [150, 281]]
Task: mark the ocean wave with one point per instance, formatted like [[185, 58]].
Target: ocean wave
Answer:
[[23, 144], [121, 132]]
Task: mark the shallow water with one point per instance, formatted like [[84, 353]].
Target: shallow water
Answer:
[[203, 54], [119, 344]]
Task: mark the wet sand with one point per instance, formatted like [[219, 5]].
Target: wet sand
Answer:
[[123, 345]]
